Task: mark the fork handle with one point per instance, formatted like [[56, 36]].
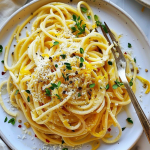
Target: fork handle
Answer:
[[142, 117]]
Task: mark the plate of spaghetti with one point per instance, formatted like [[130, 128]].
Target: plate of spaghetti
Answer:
[[59, 83]]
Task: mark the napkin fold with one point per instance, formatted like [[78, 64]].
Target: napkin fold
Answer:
[[7, 7]]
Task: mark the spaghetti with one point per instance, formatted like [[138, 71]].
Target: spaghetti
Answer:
[[65, 74]]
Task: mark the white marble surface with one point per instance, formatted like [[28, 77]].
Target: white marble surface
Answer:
[[143, 20]]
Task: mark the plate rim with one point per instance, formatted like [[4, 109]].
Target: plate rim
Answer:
[[112, 5], [144, 3]]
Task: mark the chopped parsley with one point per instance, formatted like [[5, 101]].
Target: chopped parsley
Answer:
[[58, 96], [107, 86], [68, 66], [56, 65], [28, 91], [28, 99], [55, 86], [131, 82], [129, 120], [59, 83], [117, 84], [63, 142], [123, 128], [83, 9], [89, 17], [12, 121], [81, 65], [16, 92], [80, 28], [47, 91], [81, 50], [66, 78], [1, 48], [63, 56], [104, 27], [79, 94], [129, 45], [92, 85], [135, 60], [81, 59], [6, 119], [65, 149], [55, 43], [109, 62], [73, 29], [98, 23], [2, 61]]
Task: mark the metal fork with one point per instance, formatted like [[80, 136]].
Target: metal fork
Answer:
[[121, 71]]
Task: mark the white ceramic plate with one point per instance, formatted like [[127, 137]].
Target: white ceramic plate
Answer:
[[120, 22], [146, 3]]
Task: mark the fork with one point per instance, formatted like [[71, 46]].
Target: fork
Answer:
[[121, 72]]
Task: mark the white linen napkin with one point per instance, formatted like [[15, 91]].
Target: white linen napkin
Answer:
[[7, 7]]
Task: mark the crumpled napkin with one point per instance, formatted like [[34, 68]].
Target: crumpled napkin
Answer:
[[7, 7]]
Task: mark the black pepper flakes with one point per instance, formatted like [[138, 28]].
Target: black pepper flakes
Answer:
[[80, 88], [12, 53], [70, 82], [76, 72], [64, 92]]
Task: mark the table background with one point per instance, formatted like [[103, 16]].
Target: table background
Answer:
[[134, 9]]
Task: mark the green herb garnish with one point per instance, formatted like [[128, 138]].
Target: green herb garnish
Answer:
[[16, 92], [28, 91], [129, 120], [80, 28], [109, 62], [47, 91], [66, 78], [131, 82], [81, 65], [135, 60], [89, 17], [6, 119], [59, 83], [129, 45], [83, 9], [58, 96], [28, 99], [104, 27], [63, 56], [98, 23], [63, 142], [56, 65], [12, 121], [1, 48], [117, 84], [79, 94], [65, 149], [55, 86], [2, 61], [81, 50], [73, 29], [55, 43], [107, 86], [68, 66], [123, 128], [81, 59], [92, 85]]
